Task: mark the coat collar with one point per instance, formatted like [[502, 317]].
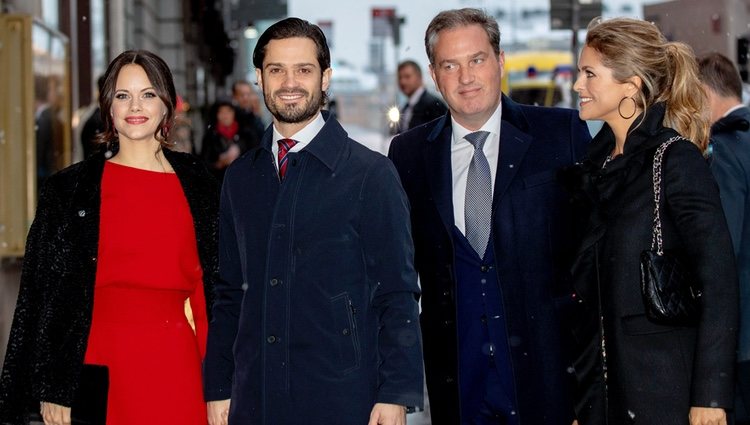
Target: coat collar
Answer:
[[646, 132], [738, 120], [327, 146]]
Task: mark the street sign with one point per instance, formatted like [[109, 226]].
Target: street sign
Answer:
[[381, 21], [562, 13]]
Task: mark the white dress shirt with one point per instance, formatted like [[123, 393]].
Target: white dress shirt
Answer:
[[302, 137], [461, 153], [409, 110]]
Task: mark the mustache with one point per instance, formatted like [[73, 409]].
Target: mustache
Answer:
[[291, 92]]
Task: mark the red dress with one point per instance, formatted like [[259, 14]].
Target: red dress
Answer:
[[148, 266]]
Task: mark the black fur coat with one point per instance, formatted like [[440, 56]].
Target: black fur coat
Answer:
[[53, 314]]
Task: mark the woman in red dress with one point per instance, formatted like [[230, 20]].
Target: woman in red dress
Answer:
[[154, 248]]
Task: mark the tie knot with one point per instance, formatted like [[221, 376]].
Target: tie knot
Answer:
[[286, 144], [477, 138]]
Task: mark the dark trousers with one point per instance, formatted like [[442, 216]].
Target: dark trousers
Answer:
[[742, 405]]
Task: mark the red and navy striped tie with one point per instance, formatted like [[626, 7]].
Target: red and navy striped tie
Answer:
[[284, 146]]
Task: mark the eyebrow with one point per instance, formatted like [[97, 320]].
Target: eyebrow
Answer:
[[470, 56], [297, 65], [142, 90]]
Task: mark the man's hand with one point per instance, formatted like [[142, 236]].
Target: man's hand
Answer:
[[54, 414], [218, 412], [707, 416], [387, 414]]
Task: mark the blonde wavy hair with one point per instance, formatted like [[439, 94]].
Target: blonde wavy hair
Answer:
[[668, 71]]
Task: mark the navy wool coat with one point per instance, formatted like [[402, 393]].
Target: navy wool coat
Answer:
[[53, 314], [730, 140], [316, 318], [530, 224]]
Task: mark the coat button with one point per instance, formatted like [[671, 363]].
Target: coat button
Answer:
[[345, 332], [93, 259], [81, 213], [484, 269], [448, 379], [275, 282], [271, 339]]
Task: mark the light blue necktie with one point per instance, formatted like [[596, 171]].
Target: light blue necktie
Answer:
[[478, 205]]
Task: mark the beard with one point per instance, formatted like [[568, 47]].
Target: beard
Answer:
[[298, 112]]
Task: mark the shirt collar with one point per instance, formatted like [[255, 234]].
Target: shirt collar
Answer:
[[492, 126], [306, 134], [732, 109], [414, 98]]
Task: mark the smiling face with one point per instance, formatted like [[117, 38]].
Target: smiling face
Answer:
[[600, 93], [136, 109], [292, 82], [467, 72]]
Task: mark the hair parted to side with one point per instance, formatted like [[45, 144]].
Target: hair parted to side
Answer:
[[719, 73], [158, 74], [291, 28], [456, 18], [668, 71]]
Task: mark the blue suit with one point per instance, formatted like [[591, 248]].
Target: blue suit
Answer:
[[530, 239]]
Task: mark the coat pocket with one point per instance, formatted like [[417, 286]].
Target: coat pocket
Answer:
[[345, 331]]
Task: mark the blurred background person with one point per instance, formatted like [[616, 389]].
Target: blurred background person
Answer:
[[93, 125], [223, 142], [630, 368], [181, 133], [730, 164], [421, 106], [248, 113], [119, 242], [48, 127]]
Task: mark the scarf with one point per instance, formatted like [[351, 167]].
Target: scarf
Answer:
[[228, 131]]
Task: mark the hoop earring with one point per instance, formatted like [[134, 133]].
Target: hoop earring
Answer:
[[635, 108]]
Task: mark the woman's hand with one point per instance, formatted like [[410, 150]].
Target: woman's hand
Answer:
[[54, 414], [707, 416]]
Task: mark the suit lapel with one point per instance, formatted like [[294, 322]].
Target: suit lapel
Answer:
[[514, 143], [439, 176]]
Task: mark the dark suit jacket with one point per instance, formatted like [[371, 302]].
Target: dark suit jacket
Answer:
[[530, 236], [316, 313], [654, 372], [53, 312], [427, 108], [730, 164]]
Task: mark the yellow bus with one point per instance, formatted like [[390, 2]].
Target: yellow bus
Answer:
[[539, 77]]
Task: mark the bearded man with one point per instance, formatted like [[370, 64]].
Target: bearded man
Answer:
[[316, 319]]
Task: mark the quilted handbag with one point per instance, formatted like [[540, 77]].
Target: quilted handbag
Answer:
[[670, 295]]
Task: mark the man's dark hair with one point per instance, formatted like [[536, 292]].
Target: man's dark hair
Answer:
[[290, 28], [410, 63], [719, 73]]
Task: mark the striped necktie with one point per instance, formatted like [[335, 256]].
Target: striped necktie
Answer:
[[284, 146]]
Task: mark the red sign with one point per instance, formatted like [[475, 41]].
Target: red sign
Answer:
[[381, 21]]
